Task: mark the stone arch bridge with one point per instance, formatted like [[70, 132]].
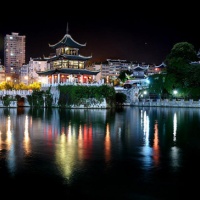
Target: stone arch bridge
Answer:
[[131, 93]]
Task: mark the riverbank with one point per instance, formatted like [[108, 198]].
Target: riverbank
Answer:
[[158, 103], [168, 103]]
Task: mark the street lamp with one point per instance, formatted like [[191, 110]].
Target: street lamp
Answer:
[[8, 78], [26, 80], [145, 93], [175, 92]]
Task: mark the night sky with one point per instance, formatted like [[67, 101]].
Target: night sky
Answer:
[[140, 33]]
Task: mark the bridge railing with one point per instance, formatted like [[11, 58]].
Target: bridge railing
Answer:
[[70, 83]]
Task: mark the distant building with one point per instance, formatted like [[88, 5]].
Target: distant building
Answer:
[[111, 69], [139, 72], [24, 74], [98, 67], [2, 73], [156, 69], [36, 65], [14, 54]]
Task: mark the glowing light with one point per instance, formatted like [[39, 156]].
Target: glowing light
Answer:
[[175, 92], [8, 78], [147, 81]]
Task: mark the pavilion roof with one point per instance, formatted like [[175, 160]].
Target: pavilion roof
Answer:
[[67, 41], [67, 71], [69, 57]]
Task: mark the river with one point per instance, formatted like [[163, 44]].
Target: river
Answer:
[[130, 153]]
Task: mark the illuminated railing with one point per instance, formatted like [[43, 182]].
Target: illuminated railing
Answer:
[[70, 83], [15, 92]]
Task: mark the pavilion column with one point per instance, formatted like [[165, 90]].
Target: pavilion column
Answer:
[[71, 78], [81, 78], [59, 78], [52, 77], [93, 78]]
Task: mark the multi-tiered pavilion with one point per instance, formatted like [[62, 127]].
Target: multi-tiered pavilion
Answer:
[[66, 65]]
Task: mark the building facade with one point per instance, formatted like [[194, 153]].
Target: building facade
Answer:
[[36, 65], [112, 68], [2, 73], [14, 53]]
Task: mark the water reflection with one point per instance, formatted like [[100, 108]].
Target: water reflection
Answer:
[[174, 127], [27, 142], [156, 149], [66, 154], [10, 146], [79, 146], [107, 144]]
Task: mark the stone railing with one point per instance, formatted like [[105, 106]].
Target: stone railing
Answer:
[[46, 85], [167, 103], [15, 92]]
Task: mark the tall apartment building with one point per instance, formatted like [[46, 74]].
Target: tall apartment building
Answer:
[[14, 53]]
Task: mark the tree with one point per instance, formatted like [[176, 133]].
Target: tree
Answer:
[[183, 50], [35, 86], [182, 73], [156, 84], [123, 75], [179, 59]]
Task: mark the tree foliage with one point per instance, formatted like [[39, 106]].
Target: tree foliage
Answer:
[[40, 98], [75, 95], [20, 86], [124, 74], [183, 71], [156, 83], [183, 50], [180, 58]]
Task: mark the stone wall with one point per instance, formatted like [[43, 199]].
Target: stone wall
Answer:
[[13, 104]]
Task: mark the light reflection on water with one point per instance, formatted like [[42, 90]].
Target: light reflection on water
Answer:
[[79, 148]]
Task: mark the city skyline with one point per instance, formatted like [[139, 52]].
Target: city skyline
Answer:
[[134, 35]]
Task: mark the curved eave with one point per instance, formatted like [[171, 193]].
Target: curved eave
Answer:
[[78, 71], [67, 41], [46, 73], [139, 69], [50, 58], [76, 57], [69, 57], [68, 71]]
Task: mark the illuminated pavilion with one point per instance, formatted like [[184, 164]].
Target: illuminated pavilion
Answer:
[[66, 65]]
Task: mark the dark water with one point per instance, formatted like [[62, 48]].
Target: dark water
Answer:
[[132, 153]]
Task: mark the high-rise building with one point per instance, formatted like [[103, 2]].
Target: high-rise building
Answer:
[[2, 73], [14, 53]]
